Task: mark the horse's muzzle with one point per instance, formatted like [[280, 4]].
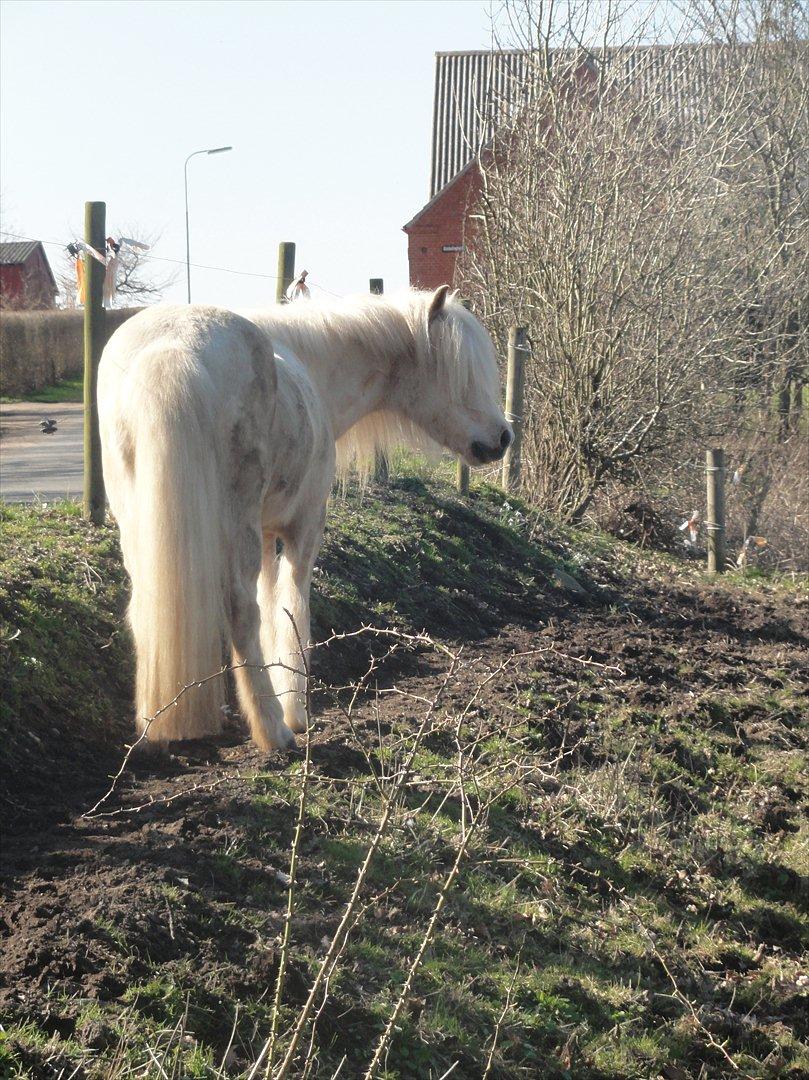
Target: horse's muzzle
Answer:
[[485, 454]]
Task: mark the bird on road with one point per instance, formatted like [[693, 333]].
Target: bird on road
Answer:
[[48, 426]]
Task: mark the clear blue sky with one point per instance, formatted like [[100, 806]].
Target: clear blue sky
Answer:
[[327, 106]]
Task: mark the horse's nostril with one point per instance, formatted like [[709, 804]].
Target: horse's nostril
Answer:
[[486, 453]]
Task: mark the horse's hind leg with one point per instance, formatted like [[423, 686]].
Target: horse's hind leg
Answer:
[[256, 694], [291, 631], [267, 585]]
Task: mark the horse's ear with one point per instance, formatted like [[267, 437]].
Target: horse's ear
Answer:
[[437, 303]]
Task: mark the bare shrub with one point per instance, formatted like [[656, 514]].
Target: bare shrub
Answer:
[[643, 213]]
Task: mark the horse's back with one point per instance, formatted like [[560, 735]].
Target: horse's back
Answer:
[[208, 374], [179, 350]]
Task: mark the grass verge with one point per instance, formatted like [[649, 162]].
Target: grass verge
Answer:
[[621, 770], [68, 390]]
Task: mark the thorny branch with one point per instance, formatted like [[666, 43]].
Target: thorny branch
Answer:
[[477, 778]]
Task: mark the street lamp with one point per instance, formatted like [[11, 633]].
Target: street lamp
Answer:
[[216, 150]]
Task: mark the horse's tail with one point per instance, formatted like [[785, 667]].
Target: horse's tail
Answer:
[[177, 608]]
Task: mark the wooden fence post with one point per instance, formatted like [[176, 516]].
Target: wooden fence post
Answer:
[[94, 338], [462, 477], [462, 469], [286, 270], [715, 513], [381, 467], [517, 348]]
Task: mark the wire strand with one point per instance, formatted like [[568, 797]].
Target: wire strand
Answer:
[[161, 258], [180, 262]]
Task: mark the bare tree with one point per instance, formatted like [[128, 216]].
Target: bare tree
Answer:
[[641, 211], [767, 229], [138, 281]]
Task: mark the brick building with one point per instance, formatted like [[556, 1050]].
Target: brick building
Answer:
[[435, 235], [476, 91], [470, 88], [26, 278]]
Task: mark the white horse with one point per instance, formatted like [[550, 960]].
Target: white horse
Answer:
[[220, 435]]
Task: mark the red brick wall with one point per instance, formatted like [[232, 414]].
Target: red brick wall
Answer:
[[441, 225]]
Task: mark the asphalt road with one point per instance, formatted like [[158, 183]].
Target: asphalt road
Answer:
[[36, 467]]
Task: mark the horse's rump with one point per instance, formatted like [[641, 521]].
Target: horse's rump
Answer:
[[167, 452]]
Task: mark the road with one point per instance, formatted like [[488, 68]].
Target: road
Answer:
[[36, 467]]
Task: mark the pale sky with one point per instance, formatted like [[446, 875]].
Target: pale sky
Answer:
[[328, 106]]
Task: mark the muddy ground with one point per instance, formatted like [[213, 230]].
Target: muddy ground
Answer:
[[87, 910]]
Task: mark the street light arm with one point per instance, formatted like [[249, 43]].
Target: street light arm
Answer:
[[213, 150], [193, 155]]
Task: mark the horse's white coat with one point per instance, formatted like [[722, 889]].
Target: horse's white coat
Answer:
[[220, 434]]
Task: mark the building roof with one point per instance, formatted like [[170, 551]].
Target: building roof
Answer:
[[476, 91], [18, 252]]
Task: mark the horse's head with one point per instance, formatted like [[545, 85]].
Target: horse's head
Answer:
[[458, 402]]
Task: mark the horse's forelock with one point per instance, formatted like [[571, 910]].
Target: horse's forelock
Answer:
[[456, 349]]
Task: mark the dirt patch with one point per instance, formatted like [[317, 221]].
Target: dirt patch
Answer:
[[170, 910]]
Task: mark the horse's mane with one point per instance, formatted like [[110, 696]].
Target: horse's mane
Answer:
[[453, 355]]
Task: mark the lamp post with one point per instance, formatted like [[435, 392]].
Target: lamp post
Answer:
[[215, 150]]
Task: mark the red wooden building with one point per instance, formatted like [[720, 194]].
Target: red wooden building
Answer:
[[26, 279]]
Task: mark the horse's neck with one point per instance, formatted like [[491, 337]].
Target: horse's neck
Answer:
[[351, 371]]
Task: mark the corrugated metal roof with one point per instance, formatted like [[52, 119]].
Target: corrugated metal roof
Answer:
[[475, 91], [16, 253]]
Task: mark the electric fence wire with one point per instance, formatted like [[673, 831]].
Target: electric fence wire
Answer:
[[177, 262]]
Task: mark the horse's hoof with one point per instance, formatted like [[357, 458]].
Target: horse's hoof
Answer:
[[149, 750], [281, 739], [297, 724], [289, 742]]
